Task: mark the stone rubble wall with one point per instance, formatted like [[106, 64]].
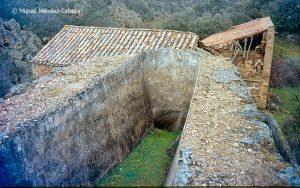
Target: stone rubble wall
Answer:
[[78, 123], [224, 141]]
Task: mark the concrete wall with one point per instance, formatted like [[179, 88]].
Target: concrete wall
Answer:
[[89, 133], [170, 80], [83, 139]]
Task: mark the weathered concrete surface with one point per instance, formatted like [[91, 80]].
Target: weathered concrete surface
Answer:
[[170, 79], [80, 139], [223, 142], [77, 123]]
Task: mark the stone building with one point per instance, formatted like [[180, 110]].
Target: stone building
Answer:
[[77, 123], [250, 45], [74, 44]]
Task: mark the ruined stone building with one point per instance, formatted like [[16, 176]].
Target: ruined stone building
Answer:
[[251, 46], [100, 90]]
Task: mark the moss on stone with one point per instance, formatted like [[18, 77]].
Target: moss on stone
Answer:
[[147, 164]]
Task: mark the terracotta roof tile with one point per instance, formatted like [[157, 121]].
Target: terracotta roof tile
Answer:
[[77, 43], [238, 32]]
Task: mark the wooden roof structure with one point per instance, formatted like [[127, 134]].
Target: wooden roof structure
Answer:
[[237, 32], [78, 43]]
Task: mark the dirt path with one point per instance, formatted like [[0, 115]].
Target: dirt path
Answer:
[[223, 143]]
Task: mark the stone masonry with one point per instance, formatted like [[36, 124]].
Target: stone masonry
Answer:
[[223, 140], [79, 122]]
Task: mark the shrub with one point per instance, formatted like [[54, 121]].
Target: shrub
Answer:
[[285, 73], [285, 14], [208, 24], [291, 128], [177, 23]]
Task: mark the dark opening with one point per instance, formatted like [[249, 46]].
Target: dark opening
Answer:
[[169, 120], [256, 41]]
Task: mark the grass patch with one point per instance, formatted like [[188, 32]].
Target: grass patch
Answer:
[[288, 104], [285, 49], [287, 117], [147, 164], [287, 95]]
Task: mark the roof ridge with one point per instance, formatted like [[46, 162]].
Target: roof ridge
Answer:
[[251, 21], [125, 28], [238, 32]]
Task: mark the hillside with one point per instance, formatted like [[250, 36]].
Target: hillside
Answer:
[[203, 17]]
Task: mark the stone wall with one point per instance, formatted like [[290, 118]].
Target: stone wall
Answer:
[[170, 80], [84, 138], [224, 141], [76, 124]]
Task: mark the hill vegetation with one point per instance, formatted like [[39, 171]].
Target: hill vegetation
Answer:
[[203, 17], [285, 80]]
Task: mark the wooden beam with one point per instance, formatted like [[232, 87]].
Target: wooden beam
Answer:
[[267, 65], [245, 47], [249, 47]]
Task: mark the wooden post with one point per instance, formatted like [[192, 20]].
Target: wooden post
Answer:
[[245, 47], [267, 65], [249, 47]]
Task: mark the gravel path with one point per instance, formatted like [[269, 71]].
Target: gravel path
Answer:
[[223, 143]]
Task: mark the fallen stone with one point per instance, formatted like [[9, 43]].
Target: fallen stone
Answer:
[[290, 175], [14, 78], [28, 57], [241, 91], [250, 111], [18, 89], [12, 25], [8, 37], [7, 96], [33, 43], [226, 75], [15, 54], [248, 141]]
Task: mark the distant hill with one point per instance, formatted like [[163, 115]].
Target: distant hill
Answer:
[[201, 16]]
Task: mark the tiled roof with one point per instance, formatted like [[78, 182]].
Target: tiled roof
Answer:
[[77, 43], [238, 32]]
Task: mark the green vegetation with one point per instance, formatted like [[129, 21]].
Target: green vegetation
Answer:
[[288, 103], [287, 95], [289, 116], [286, 49], [204, 17], [147, 164], [287, 54]]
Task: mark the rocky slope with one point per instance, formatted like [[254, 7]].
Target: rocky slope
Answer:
[[17, 47], [116, 13]]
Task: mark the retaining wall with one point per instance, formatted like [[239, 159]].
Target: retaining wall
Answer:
[[78, 123]]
